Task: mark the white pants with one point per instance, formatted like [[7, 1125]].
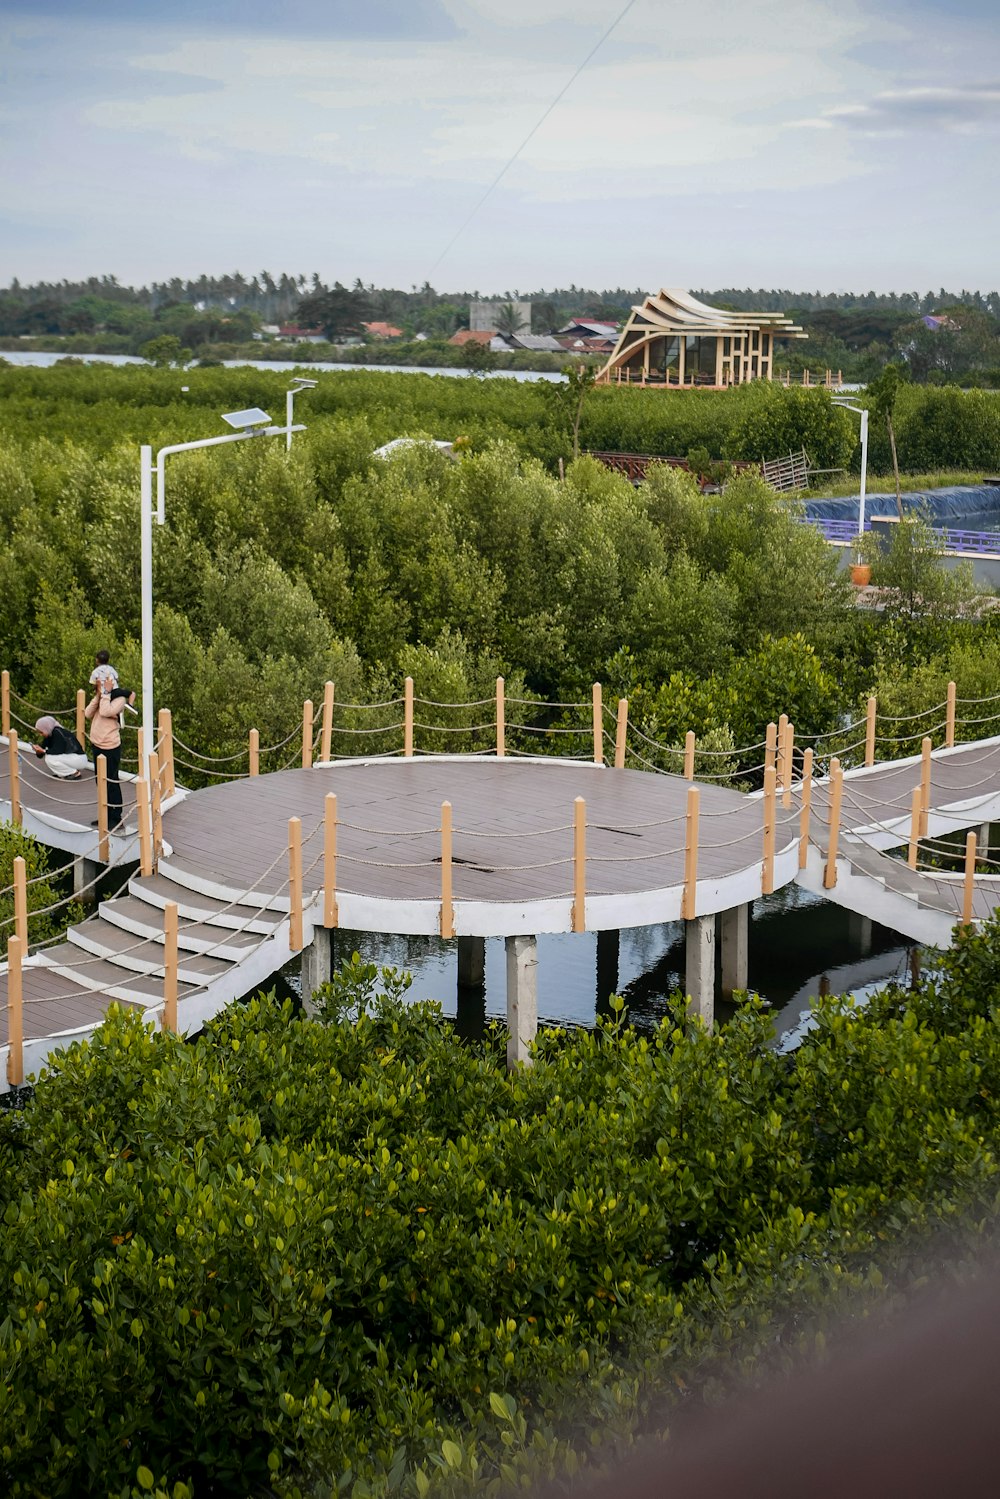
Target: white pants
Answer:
[[65, 765]]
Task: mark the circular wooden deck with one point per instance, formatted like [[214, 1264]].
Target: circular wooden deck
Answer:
[[512, 842]]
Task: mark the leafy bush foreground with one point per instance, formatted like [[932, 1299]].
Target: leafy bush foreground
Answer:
[[301, 1257]]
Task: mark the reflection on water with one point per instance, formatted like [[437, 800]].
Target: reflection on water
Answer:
[[799, 946]]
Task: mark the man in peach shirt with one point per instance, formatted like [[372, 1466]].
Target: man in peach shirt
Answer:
[[104, 712]]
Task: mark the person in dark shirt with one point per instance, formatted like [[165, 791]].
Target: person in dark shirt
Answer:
[[61, 750]]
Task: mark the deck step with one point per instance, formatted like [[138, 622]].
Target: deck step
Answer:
[[129, 951], [205, 882], [116, 982], [145, 920], [157, 889]]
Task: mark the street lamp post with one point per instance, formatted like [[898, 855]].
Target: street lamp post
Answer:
[[300, 383], [861, 411], [253, 423]]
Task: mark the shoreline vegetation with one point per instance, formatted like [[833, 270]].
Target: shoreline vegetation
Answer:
[[941, 337], [430, 353]]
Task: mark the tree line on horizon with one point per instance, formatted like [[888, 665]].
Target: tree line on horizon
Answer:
[[858, 333]]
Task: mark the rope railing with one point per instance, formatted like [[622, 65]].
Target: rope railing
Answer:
[[886, 736]]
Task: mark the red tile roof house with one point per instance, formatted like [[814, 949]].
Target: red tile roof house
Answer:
[[382, 330], [466, 336], [291, 333]]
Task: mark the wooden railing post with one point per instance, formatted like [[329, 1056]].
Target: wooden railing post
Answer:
[[154, 805], [970, 878], [597, 704], [21, 900], [447, 905], [949, 717], [770, 821], [787, 762], [145, 833], [770, 746], [689, 742], [870, 716], [501, 720], [916, 807], [307, 734], [168, 1019], [102, 808], [806, 807], [621, 733], [295, 938], [331, 914], [579, 865], [408, 717], [166, 740], [81, 718], [15, 1013], [689, 900], [779, 756], [925, 784], [5, 703], [326, 732], [255, 752], [15, 777], [836, 797]]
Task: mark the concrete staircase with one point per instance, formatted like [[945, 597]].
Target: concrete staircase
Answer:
[[888, 891], [225, 947]]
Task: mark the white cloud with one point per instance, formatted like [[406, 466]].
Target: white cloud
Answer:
[[969, 109]]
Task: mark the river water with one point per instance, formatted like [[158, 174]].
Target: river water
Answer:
[[800, 946], [37, 359]]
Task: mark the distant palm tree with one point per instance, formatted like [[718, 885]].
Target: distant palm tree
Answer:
[[509, 319]]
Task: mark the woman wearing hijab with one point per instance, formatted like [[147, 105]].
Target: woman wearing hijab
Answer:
[[61, 750]]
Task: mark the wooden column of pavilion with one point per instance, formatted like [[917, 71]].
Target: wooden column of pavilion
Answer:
[[744, 341]]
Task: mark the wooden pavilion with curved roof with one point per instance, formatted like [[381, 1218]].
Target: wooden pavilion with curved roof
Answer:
[[673, 340]]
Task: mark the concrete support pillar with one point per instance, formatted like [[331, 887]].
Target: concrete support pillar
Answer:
[[608, 945], [317, 964], [85, 871], [859, 929], [983, 841], [522, 998], [735, 928], [699, 959], [471, 962]]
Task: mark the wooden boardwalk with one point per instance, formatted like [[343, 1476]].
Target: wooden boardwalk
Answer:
[[513, 829], [225, 865]]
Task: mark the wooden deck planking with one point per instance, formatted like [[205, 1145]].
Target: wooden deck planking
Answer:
[[44, 793], [54, 1003], [389, 815]]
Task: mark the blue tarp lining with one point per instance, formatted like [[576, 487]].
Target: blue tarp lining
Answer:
[[968, 506]]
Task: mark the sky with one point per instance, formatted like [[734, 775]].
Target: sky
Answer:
[[810, 144]]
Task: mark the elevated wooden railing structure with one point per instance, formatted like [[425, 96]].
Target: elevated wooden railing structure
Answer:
[[670, 380], [818, 807]]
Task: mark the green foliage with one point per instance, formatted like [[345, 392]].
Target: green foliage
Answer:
[[359, 1254], [772, 421], [42, 888], [923, 600], [276, 571], [164, 351]]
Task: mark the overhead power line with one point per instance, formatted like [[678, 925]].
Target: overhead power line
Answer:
[[530, 136]]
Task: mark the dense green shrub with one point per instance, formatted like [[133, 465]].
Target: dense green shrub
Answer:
[[43, 889], [276, 571], [360, 1253]]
